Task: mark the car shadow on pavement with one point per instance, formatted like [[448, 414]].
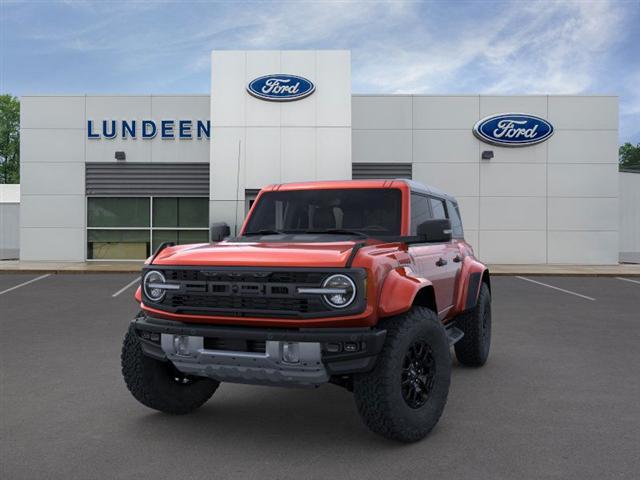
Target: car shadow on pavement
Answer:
[[283, 418]]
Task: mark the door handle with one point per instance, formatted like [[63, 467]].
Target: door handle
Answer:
[[441, 262], [457, 259]]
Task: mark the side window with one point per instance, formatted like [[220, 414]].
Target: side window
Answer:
[[437, 207], [420, 211], [456, 222]]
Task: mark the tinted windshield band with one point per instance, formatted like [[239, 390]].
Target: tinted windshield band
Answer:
[[368, 211]]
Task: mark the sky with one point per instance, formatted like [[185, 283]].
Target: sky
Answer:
[[443, 47]]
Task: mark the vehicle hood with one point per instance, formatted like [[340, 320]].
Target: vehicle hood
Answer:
[[267, 254]]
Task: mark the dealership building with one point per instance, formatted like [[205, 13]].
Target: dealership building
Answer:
[[109, 177]]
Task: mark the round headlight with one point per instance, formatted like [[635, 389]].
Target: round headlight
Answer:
[[344, 291], [151, 278]]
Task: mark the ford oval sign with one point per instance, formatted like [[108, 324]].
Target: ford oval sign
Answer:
[[513, 129], [281, 87]]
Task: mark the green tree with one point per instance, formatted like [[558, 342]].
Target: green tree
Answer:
[[9, 139], [629, 156]]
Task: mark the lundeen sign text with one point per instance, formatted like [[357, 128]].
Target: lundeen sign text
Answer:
[[148, 129]]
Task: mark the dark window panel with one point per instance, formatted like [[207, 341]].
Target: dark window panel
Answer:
[[118, 212]]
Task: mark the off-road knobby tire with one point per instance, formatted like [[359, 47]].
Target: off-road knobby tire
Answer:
[[472, 350], [153, 383], [378, 394]]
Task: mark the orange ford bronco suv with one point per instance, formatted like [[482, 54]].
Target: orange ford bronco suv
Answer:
[[364, 284]]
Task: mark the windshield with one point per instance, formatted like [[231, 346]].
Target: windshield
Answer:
[[368, 211]]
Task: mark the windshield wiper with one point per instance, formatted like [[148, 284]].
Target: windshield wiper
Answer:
[[263, 232], [339, 231]]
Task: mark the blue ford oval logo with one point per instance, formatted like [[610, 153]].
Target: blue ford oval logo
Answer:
[[281, 87], [513, 129]]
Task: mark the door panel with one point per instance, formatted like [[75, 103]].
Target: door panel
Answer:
[[457, 258], [435, 262]]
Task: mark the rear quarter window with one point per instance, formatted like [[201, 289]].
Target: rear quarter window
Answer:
[[437, 207], [420, 211]]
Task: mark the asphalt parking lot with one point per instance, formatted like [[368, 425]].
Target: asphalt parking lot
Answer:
[[559, 397]]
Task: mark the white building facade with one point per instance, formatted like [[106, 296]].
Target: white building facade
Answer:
[[110, 177], [9, 221]]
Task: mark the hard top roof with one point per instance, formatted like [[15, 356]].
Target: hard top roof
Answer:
[[428, 189], [368, 183]]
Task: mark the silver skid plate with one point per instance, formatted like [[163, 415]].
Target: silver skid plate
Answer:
[[266, 368]]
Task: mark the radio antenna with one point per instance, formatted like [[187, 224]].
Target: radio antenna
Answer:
[[235, 228]]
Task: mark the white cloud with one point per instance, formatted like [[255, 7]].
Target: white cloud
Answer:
[[561, 58], [522, 49], [397, 46]]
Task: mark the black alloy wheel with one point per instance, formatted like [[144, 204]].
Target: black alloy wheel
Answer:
[[418, 374]]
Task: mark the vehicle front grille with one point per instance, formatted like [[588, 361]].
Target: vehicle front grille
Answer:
[[252, 292], [240, 303]]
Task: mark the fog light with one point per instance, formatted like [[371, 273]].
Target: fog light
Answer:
[[350, 347], [181, 344], [291, 352]]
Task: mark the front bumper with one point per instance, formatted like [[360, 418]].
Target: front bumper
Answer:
[[322, 351]]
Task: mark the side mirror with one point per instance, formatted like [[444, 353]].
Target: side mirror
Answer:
[[436, 230], [219, 231]]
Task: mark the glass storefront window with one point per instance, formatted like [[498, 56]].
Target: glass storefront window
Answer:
[[118, 212], [184, 212], [132, 228], [118, 244]]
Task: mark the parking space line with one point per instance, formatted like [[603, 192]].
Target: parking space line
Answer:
[[628, 280], [556, 288], [128, 285], [25, 283]]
